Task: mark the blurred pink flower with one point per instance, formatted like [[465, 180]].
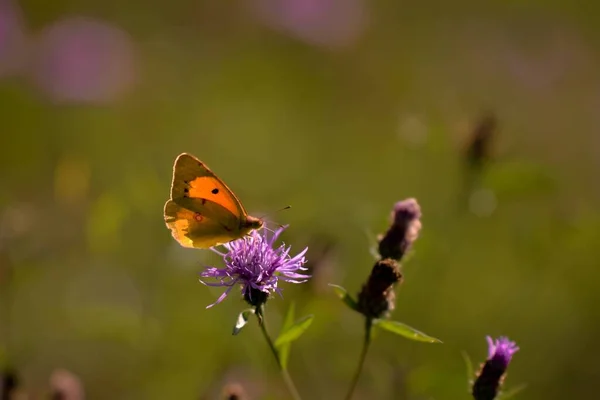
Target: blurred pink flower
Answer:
[[556, 54], [84, 60], [12, 38], [66, 386], [327, 23]]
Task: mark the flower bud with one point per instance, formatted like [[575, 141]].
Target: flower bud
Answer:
[[377, 298], [404, 230]]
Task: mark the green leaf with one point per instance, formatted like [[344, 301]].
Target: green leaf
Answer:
[[404, 330], [512, 392], [346, 298], [294, 331], [242, 320], [284, 349], [373, 244], [469, 365]]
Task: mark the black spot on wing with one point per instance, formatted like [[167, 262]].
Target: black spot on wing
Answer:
[[226, 228]]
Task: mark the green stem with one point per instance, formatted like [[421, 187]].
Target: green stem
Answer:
[[6, 294], [363, 355], [284, 373]]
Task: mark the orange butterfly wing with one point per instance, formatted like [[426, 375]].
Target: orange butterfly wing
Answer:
[[203, 211], [192, 179]]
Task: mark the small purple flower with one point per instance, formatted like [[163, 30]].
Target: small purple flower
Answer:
[[255, 264], [492, 371], [501, 351]]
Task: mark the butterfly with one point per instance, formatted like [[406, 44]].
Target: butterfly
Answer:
[[202, 211]]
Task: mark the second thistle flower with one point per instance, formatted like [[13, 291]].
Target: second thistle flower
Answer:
[[377, 298]]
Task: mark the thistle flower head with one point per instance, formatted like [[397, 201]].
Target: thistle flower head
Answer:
[[254, 263], [404, 230], [491, 374]]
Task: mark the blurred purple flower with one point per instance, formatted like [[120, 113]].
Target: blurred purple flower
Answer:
[[255, 264], [327, 23], [12, 38], [84, 60], [490, 376]]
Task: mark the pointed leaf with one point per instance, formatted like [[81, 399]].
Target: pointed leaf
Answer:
[[284, 349], [242, 320], [404, 330], [373, 244], [295, 331], [512, 392], [469, 365], [346, 298]]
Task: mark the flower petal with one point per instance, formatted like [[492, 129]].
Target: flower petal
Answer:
[[221, 298]]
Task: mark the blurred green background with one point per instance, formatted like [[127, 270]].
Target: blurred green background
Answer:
[[339, 108]]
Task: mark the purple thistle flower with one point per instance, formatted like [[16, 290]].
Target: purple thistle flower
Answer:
[[255, 264], [490, 376], [501, 351]]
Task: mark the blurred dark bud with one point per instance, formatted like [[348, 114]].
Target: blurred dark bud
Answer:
[[321, 261], [404, 230], [65, 385], [234, 391], [477, 155], [236, 381], [492, 372], [9, 384], [479, 148], [377, 298]]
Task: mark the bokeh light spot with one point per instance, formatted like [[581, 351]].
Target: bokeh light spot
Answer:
[[324, 23], [84, 60]]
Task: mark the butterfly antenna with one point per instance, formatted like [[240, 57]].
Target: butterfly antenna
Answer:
[[281, 209], [266, 215], [268, 229]]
